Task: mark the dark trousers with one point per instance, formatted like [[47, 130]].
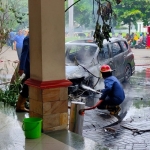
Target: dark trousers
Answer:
[[11, 44], [108, 102], [24, 90]]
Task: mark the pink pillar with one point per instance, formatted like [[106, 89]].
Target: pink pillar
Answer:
[[148, 38]]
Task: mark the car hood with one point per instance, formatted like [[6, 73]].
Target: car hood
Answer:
[[74, 72]]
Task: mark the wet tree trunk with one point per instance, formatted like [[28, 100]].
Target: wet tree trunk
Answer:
[[129, 28], [0, 50]]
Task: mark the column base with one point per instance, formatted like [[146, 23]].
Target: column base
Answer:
[[49, 101]]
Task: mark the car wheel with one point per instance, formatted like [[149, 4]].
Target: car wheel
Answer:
[[128, 72]]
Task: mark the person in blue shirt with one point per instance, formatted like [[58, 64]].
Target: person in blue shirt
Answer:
[[11, 38], [113, 94], [18, 43], [24, 67]]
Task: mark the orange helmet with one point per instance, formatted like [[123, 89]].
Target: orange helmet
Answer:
[[105, 68]]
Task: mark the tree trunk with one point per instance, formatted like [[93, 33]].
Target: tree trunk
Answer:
[[129, 27], [0, 47]]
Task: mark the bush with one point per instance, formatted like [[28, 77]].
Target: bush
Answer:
[[10, 91]]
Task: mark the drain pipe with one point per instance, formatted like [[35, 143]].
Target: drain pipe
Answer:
[[76, 120]]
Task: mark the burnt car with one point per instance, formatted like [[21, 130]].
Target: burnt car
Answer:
[[84, 59]]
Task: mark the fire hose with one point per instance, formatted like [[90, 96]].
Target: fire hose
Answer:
[[82, 111]]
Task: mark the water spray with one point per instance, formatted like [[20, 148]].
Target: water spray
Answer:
[[89, 88]]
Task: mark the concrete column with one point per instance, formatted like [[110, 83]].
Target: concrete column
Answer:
[[48, 85], [47, 30]]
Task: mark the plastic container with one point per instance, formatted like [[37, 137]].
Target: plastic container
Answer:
[[32, 127]]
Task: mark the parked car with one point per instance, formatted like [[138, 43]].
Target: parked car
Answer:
[[84, 59], [80, 34]]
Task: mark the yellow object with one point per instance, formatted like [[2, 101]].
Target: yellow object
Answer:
[[135, 37]]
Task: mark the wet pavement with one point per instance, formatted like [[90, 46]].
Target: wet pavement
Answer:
[[133, 133]]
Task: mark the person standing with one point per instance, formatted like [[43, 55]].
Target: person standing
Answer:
[[128, 38], [135, 39], [24, 67], [11, 38], [25, 32], [18, 43], [120, 35]]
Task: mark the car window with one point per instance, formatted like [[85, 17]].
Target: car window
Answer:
[[81, 53], [104, 53], [116, 49], [124, 45]]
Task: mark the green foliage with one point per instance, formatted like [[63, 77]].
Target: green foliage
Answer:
[[104, 14], [12, 13], [67, 39], [130, 11], [83, 12], [9, 91], [10, 94], [141, 103]]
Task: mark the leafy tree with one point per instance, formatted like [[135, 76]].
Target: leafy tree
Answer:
[[145, 9], [83, 12], [104, 12], [12, 13], [130, 11]]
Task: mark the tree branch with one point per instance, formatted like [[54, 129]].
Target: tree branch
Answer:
[[71, 5]]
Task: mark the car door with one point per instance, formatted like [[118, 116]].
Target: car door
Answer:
[[125, 48], [103, 57], [117, 58]]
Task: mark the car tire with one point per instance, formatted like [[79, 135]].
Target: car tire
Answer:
[[127, 72]]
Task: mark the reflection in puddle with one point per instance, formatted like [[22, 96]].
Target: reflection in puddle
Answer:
[[138, 92], [10, 111]]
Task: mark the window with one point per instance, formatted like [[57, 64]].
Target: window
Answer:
[[124, 45], [116, 49], [104, 53], [79, 53]]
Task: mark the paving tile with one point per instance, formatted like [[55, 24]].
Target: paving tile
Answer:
[[129, 147], [147, 147]]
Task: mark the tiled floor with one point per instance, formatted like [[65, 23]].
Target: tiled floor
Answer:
[[12, 136]]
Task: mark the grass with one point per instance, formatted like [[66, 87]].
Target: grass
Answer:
[[67, 39]]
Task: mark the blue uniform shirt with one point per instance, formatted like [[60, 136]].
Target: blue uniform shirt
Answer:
[[12, 36], [113, 90], [25, 60], [19, 41]]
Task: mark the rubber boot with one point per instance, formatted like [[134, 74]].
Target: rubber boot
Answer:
[[20, 104], [114, 110]]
